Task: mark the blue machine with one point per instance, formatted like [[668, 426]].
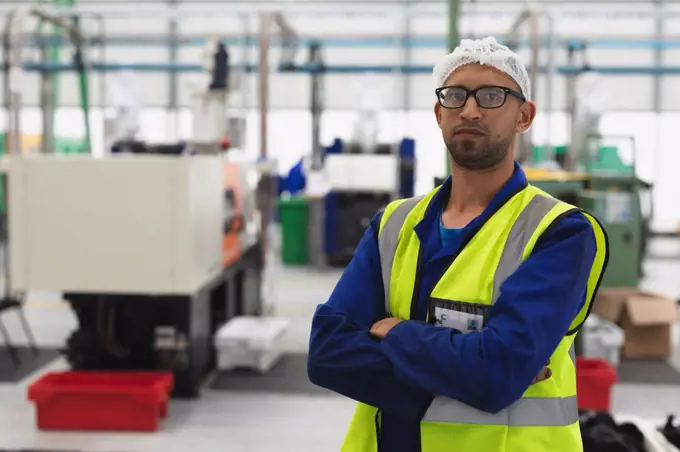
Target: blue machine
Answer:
[[355, 210]]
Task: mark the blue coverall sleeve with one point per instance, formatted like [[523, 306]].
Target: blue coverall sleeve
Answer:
[[492, 368], [343, 356]]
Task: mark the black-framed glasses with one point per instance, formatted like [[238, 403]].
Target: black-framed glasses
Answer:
[[453, 97]]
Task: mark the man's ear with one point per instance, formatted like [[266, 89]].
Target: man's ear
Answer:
[[525, 117], [438, 113]]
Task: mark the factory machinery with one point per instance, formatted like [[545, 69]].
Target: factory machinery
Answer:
[[588, 172], [13, 48], [362, 176], [157, 246], [352, 185], [136, 245], [361, 182], [154, 246], [350, 181], [617, 197]]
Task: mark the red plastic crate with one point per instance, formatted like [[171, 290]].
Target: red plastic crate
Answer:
[[101, 400], [594, 380]]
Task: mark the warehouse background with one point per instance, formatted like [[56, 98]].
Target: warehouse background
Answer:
[[386, 48], [96, 272]]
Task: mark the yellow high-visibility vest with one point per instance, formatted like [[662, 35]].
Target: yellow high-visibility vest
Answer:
[[546, 417]]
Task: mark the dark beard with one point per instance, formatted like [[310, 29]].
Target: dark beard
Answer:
[[479, 155]]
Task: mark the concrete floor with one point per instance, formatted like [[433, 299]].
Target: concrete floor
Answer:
[[255, 422]]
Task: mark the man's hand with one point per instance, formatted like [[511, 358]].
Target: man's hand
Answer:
[[382, 327], [544, 374]]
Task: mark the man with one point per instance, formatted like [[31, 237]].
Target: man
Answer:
[[455, 301]]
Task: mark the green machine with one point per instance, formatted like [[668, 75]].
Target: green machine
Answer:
[[615, 196], [615, 200], [609, 189]]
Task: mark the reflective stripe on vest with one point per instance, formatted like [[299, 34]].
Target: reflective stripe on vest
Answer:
[[518, 239], [387, 242], [528, 411]]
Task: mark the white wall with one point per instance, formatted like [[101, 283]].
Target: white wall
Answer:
[[630, 99]]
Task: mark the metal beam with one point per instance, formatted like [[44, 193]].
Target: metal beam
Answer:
[[406, 55], [289, 37], [453, 36], [344, 69], [659, 33], [337, 10], [173, 76], [658, 54], [366, 41], [173, 38], [283, 3]]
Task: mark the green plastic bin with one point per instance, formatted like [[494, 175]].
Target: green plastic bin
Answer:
[[294, 218]]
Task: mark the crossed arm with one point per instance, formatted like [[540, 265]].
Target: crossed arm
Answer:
[[488, 369], [345, 357], [384, 326]]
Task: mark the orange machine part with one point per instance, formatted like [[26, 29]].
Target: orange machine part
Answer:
[[231, 244]]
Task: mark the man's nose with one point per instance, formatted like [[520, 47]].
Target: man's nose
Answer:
[[471, 110]]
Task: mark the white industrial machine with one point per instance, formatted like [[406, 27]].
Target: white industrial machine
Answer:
[[373, 173], [148, 249], [155, 246], [142, 224]]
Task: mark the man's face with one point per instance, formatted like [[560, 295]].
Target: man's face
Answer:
[[480, 139]]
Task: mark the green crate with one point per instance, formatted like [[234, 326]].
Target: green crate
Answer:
[[294, 218]]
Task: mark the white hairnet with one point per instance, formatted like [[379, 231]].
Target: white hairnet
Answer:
[[485, 51]]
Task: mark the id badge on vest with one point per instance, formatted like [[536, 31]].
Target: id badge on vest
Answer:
[[458, 315]]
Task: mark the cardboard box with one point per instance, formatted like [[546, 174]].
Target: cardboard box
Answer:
[[646, 319]]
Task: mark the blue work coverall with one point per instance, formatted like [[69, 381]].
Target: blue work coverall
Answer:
[[489, 371]]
